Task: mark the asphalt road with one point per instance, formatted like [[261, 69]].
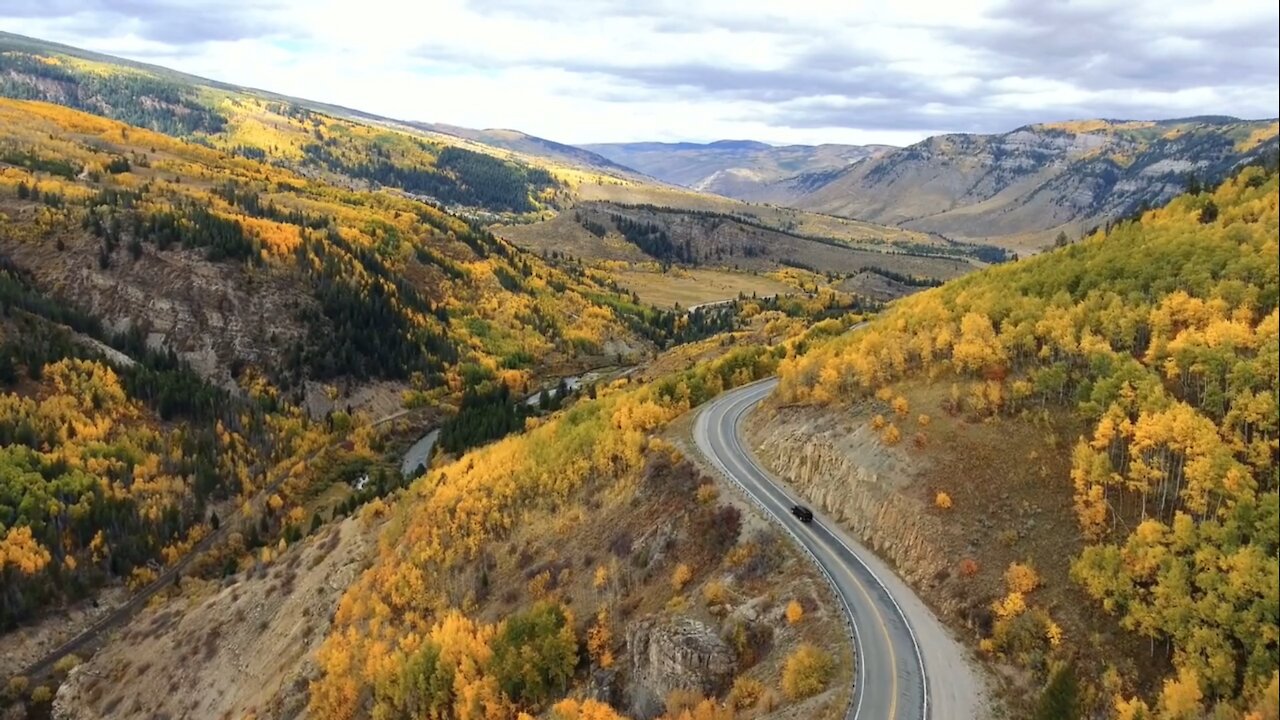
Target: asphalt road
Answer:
[[909, 667]]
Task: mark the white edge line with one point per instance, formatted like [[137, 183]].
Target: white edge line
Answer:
[[924, 677], [859, 660]]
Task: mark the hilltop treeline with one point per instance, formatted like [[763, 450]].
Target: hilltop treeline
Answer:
[[135, 98]]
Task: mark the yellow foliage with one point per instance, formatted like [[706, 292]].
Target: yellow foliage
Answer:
[[891, 435], [1180, 698], [681, 576], [707, 493], [715, 593], [942, 500], [570, 709], [1131, 709], [1012, 605], [1021, 578], [794, 612], [141, 577], [745, 693], [19, 549], [901, 407], [600, 640], [806, 672], [1053, 633]]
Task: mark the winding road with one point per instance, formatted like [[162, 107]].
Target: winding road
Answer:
[[909, 667]]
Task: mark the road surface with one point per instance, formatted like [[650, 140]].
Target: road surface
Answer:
[[908, 665]]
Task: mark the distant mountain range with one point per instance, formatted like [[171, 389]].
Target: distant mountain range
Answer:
[[526, 144], [734, 168], [1017, 189]]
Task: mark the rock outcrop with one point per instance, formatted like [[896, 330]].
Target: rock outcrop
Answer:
[[859, 482], [677, 653]]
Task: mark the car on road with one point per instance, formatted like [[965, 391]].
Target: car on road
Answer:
[[804, 514]]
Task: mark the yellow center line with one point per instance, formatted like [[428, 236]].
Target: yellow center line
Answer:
[[893, 660]]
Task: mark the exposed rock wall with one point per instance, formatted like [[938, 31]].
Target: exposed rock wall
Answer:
[[678, 653], [844, 469]]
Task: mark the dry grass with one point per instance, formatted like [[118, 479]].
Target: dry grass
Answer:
[[691, 287]]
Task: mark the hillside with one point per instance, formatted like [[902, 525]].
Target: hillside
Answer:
[[608, 231], [485, 176], [733, 168], [625, 578], [531, 145], [233, 263], [1074, 458], [314, 139], [1020, 189]]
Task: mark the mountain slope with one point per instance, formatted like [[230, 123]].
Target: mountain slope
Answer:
[[733, 168], [313, 138], [234, 263], [1020, 188], [531, 145], [1075, 456]]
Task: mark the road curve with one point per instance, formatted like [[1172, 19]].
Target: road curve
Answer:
[[908, 665]]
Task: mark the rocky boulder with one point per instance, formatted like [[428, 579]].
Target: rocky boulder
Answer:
[[674, 653]]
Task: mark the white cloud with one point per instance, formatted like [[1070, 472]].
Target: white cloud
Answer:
[[803, 71]]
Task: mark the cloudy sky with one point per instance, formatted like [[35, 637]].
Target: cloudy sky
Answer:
[[804, 71]]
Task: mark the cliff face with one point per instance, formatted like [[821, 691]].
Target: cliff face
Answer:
[[843, 468], [677, 653]]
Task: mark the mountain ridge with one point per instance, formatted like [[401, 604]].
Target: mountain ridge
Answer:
[[733, 168]]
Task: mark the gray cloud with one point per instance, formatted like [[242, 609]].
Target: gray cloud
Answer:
[[1019, 62], [172, 22], [1111, 48]]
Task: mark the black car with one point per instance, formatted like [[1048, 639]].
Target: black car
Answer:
[[803, 513]]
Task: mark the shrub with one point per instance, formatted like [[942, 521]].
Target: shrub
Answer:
[[681, 577], [582, 710], [17, 685], [1021, 578], [600, 640], [715, 593], [942, 501], [968, 567], [901, 407], [795, 612], [891, 435], [746, 692], [42, 694], [66, 664], [806, 672], [707, 493]]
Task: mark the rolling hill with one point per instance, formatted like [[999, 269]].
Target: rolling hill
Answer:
[[733, 168], [530, 145]]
